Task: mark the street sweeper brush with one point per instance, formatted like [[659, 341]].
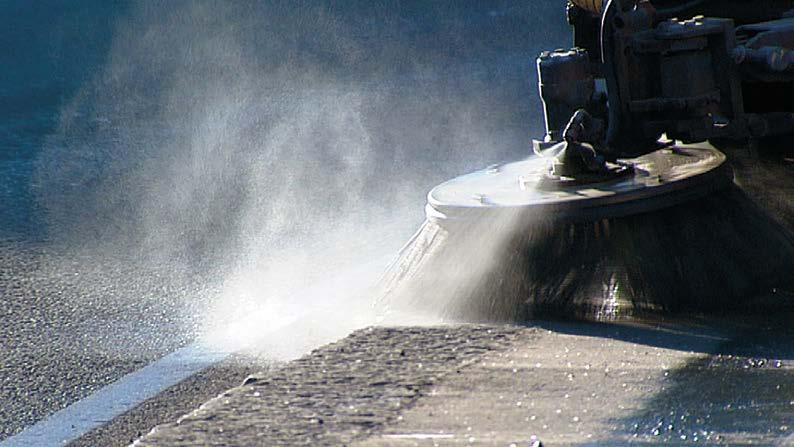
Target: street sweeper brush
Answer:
[[614, 214], [670, 232], [532, 188]]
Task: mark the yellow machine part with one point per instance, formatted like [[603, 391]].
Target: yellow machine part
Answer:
[[590, 5]]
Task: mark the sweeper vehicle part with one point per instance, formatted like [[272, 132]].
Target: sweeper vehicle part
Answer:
[[631, 110], [626, 198]]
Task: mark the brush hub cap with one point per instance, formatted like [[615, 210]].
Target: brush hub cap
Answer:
[[663, 178]]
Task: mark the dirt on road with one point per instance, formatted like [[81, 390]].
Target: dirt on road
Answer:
[[565, 383]]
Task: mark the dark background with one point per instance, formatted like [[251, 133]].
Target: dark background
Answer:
[[94, 93]]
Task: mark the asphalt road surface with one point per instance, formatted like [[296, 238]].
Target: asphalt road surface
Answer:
[[696, 382], [71, 325]]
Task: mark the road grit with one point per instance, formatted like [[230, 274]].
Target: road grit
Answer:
[[567, 384]]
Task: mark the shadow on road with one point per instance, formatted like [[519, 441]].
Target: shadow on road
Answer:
[[740, 387]]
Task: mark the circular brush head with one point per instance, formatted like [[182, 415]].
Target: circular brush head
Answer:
[[657, 180], [673, 236]]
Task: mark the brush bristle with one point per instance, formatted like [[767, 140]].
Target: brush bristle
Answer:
[[715, 254]]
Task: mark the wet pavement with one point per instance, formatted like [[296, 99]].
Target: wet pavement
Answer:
[[70, 325], [172, 403], [337, 394], [711, 382]]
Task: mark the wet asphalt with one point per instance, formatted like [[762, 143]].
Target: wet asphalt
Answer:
[[70, 325], [695, 381], [174, 402]]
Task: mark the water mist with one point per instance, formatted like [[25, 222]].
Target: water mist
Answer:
[[272, 157]]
